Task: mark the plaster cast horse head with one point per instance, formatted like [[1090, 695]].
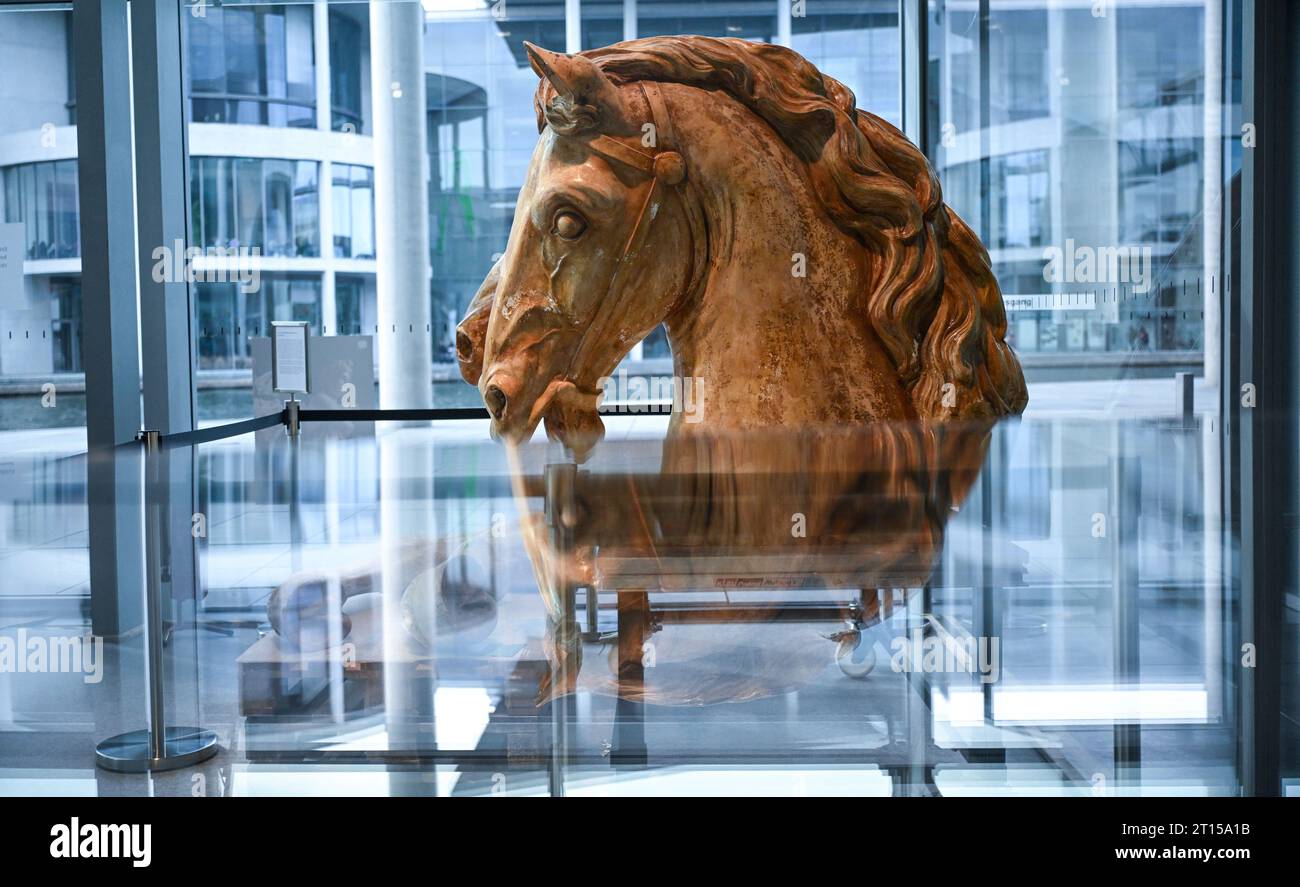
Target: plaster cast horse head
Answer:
[[797, 250]]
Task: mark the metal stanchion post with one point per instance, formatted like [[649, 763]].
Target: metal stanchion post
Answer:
[[159, 747], [1126, 505], [560, 479], [294, 427], [291, 420]]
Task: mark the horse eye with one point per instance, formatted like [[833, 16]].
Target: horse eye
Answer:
[[570, 225]]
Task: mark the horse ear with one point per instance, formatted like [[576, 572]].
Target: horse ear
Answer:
[[549, 65], [580, 81]]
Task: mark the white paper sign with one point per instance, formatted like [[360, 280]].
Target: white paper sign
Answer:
[[289, 356], [11, 266], [340, 376]]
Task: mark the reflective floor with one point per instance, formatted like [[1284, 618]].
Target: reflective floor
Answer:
[[1033, 608]]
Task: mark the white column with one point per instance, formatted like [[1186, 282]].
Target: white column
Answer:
[[1212, 165], [325, 200], [572, 26], [784, 26], [1212, 296], [629, 19], [401, 205], [324, 123], [321, 43]]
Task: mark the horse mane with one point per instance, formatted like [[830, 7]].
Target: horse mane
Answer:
[[932, 300]]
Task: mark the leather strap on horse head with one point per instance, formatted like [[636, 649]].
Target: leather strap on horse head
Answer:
[[666, 167]]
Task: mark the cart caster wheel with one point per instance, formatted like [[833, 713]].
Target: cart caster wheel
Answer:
[[855, 657]]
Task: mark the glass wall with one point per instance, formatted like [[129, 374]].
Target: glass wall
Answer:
[[857, 43], [354, 312], [281, 110], [1072, 139], [717, 18], [42, 394], [43, 484], [66, 323]]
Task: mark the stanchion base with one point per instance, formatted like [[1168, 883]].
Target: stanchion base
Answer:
[[129, 752]]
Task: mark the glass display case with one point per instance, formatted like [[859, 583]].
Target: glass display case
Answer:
[[1021, 608]]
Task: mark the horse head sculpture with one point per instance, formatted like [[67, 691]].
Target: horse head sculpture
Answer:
[[844, 321], [796, 248]]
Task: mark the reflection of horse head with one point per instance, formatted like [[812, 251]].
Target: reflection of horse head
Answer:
[[762, 512], [797, 249], [870, 500]]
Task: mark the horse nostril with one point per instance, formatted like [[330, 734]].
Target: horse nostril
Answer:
[[496, 402]]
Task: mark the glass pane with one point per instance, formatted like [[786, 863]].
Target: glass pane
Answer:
[[723, 18], [306, 209], [481, 130], [1073, 143], [345, 72], [329, 561], [857, 43], [362, 212], [279, 183], [274, 66], [42, 399], [253, 64], [44, 519]]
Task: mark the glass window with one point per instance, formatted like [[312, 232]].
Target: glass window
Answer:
[[350, 305], [279, 187], [43, 197], [249, 203], [66, 323], [306, 209], [481, 132], [253, 64], [720, 18], [40, 234], [354, 201], [857, 43], [227, 316], [1072, 143], [296, 298], [346, 56]]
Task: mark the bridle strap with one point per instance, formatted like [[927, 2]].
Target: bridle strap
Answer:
[[659, 116], [610, 147]]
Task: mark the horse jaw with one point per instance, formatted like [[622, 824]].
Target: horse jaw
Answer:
[[572, 419]]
